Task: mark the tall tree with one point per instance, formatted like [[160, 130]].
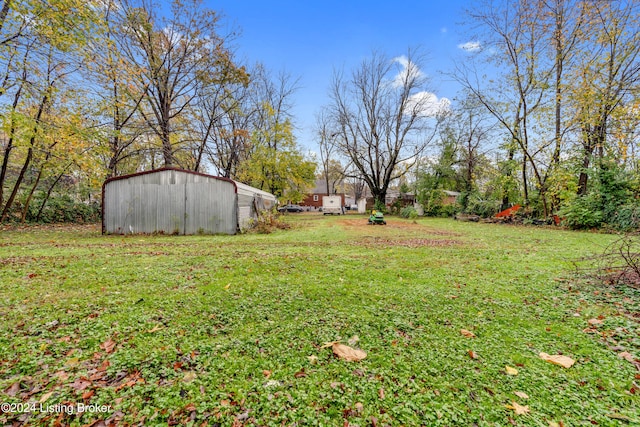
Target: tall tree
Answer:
[[384, 117], [179, 55], [606, 77]]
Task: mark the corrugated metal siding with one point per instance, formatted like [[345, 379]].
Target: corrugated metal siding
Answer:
[[170, 201], [250, 201]]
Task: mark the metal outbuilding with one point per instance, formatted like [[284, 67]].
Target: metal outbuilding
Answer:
[[176, 201]]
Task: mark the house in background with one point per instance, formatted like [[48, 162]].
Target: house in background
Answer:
[[313, 201]]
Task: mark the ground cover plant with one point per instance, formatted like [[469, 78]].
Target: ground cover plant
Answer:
[[231, 330]]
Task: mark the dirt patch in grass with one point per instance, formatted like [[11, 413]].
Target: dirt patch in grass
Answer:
[[361, 224], [379, 242]]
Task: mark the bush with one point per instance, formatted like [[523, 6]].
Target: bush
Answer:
[[626, 218], [267, 222], [409, 212], [481, 207], [583, 212], [63, 209]]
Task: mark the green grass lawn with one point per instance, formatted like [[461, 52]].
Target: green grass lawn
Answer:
[[228, 330]]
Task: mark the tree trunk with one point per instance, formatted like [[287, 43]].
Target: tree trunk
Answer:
[[27, 202], [16, 187]]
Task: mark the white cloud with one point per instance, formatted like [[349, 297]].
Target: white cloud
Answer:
[[473, 46], [407, 67], [427, 104]]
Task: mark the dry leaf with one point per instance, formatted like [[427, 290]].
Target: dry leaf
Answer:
[[359, 407], [189, 376], [381, 393], [521, 394], [45, 397], [472, 354], [519, 409], [626, 356], [353, 340], [347, 353], [13, 389], [594, 322], [313, 359], [510, 371], [108, 345], [80, 384], [557, 359], [467, 334], [266, 373], [155, 329]]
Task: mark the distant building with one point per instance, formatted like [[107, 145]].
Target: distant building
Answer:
[[313, 201]]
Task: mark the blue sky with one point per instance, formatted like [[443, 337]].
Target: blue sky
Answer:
[[309, 39]]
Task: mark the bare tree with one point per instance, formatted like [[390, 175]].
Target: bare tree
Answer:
[[178, 56], [332, 171], [383, 117]]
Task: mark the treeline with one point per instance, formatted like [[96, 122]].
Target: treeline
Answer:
[[94, 89], [554, 125]]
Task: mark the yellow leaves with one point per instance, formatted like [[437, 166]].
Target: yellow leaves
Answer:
[[557, 359], [510, 371], [518, 409], [521, 394]]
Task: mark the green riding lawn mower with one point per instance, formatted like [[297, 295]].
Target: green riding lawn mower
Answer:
[[377, 218]]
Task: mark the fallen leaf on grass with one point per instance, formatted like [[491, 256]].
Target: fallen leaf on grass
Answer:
[[557, 359], [521, 394], [353, 340], [510, 371], [518, 409], [108, 345], [313, 359], [80, 384], [467, 334], [626, 356], [45, 397], [13, 389], [594, 322], [189, 376], [266, 373], [155, 329], [347, 353], [381, 393], [472, 354]]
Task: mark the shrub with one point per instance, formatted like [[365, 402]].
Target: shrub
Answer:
[[409, 212], [626, 217], [482, 207], [583, 212], [63, 209], [267, 222]]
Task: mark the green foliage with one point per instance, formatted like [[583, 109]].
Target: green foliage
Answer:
[[610, 201], [480, 206], [409, 212], [276, 163], [64, 209], [626, 217], [379, 206], [583, 212]]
